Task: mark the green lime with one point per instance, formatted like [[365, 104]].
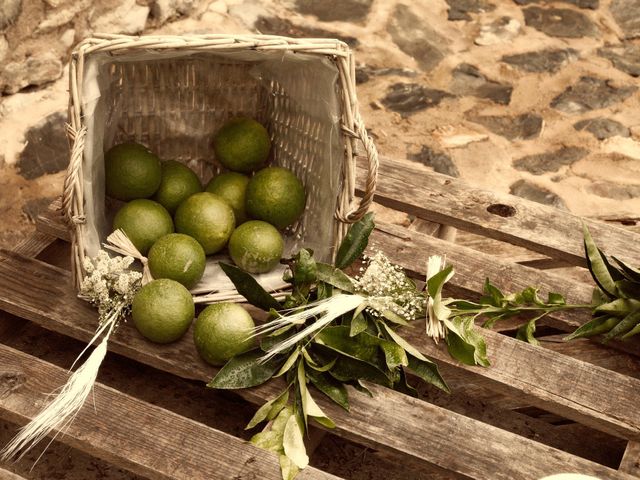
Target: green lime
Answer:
[[275, 195], [177, 257], [144, 222], [256, 246], [131, 171], [208, 219], [222, 331], [162, 310], [231, 186], [242, 145], [178, 183]]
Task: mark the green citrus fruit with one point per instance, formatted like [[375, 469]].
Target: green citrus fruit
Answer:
[[222, 331], [275, 195], [131, 171], [242, 145], [208, 219], [231, 186], [256, 246], [177, 257], [162, 310], [178, 183], [144, 222]]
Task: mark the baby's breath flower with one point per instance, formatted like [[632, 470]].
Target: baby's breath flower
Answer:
[[110, 285], [388, 288]]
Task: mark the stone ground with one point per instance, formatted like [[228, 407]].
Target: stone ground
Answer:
[[534, 97]]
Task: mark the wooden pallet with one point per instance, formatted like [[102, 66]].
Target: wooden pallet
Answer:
[[536, 411]]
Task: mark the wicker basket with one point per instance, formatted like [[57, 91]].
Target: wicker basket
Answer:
[[173, 92]]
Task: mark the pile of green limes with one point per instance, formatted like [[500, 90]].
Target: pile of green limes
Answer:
[[176, 223]]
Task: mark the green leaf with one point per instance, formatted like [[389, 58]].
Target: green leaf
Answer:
[[289, 363], [597, 266], [403, 386], [323, 290], [361, 347], [334, 276], [394, 354], [309, 406], [464, 305], [269, 410], [629, 272], [620, 307], [556, 299], [394, 318], [249, 288], [428, 371], [594, 327], [634, 331], [526, 331], [293, 443], [304, 270], [333, 389], [347, 369], [244, 371], [464, 343], [598, 297], [493, 295], [625, 325], [288, 468], [271, 438], [314, 365], [530, 295], [355, 241], [410, 349], [628, 289], [357, 384], [437, 281], [358, 325]]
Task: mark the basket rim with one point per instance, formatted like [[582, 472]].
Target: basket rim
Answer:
[[117, 43]]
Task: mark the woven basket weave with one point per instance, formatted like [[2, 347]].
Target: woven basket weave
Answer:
[[195, 70]]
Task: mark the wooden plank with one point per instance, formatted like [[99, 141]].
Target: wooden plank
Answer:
[[133, 434], [389, 421], [51, 222], [631, 459], [7, 475], [593, 352], [34, 244], [439, 198]]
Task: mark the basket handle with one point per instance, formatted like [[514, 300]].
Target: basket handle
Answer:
[[371, 153], [71, 209]]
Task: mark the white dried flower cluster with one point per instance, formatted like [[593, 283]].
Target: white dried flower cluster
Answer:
[[388, 288], [109, 283]]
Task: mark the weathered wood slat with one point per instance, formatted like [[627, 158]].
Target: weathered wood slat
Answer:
[[390, 421], [51, 221], [631, 460], [7, 475], [34, 244], [133, 434], [451, 201]]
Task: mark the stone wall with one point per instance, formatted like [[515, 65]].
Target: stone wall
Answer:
[[534, 97]]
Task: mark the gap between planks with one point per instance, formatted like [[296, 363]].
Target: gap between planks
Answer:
[[140, 437], [390, 421]]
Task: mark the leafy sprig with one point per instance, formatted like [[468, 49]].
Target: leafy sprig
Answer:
[[615, 304], [331, 332]]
